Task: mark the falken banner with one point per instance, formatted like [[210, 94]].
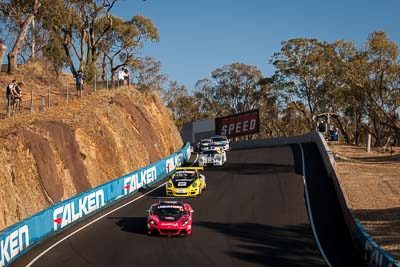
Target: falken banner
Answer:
[[238, 124], [373, 254], [20, 237]]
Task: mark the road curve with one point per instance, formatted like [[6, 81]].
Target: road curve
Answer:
[[328, 218], [253, 213]]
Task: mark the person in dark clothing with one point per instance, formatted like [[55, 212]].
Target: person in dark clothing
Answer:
[[321, 127], [10, 92], [18, 96], [127, 77], [79, 78], [333, 133]]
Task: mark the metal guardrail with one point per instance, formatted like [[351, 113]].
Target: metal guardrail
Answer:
[[34, 102]]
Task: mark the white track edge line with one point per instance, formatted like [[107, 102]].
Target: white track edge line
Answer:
[[83, 227], [309, 209]]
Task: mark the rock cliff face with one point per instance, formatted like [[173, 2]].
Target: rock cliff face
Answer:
[[52, 155]]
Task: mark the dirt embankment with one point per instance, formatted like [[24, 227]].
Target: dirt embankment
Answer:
[[52, 155], [371, 182]]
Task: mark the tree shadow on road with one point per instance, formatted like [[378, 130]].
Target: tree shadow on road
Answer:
[[269, 245], [135, 225], [252, 168]]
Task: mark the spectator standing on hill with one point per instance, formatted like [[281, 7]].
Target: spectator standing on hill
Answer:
[[79, 78], [10, 92], [321, 127], [18, 96], [121, 77], [127, 76]]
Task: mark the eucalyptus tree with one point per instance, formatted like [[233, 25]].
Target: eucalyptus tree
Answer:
[[372, 98], [55, 54], [122, 42], [383, 88], [183, 106], [207, 94], [91, 35], [68, 30], [303, 67], [350, 101], [147, 74], [172, 94], [3, 50], [315, 77], [233, 88], [18, 14], [282, 116], [74, 22]]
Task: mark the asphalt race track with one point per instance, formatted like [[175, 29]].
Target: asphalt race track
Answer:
[[253, 213]]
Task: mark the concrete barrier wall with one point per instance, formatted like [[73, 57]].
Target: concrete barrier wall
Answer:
[[20, 237], [371, 252]]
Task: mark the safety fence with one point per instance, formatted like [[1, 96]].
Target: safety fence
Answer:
[[32, 101], [22, 236]]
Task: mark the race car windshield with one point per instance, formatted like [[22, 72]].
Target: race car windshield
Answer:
[[189, 176], [169, 210]]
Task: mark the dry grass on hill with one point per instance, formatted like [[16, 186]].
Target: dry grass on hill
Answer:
[[37, 77], [371, 182]]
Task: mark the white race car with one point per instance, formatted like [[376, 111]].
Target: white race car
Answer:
[[203, 144], [220, 141], [212, 156]]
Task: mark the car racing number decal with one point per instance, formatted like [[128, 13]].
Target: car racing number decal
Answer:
[[182, 183]]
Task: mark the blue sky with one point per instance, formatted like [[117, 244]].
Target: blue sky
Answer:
[[196, 37]]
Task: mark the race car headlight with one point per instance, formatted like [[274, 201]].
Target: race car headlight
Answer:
[[169, 185], [194, 184], [185, 222], [152, 222]]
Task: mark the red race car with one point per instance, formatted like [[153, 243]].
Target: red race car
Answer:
[[170, 218]]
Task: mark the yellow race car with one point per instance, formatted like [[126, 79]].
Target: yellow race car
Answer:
[[186, 182]]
